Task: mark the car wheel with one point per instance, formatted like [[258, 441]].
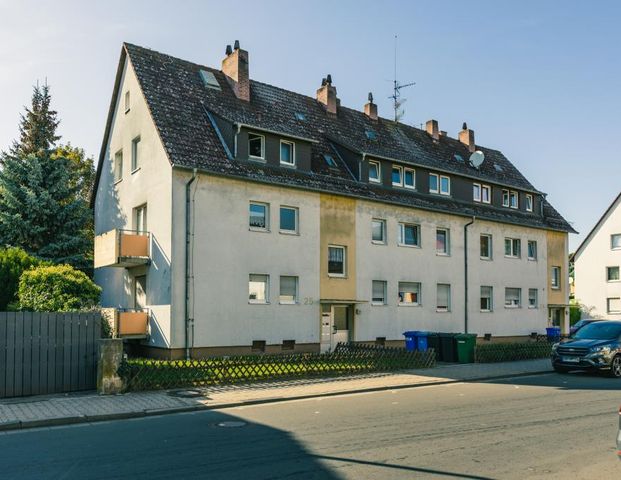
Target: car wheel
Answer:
[[615, 367], [560, 369]]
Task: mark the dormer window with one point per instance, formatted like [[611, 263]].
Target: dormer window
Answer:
[[256, 146], [397, 176], [434, 183], [529, 202], [375, 171], [505, 198], [514, 200], [287, 153], [445, 185], [439, 184], [409, 178]]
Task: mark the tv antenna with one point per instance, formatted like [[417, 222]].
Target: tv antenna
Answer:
[[397, 101]]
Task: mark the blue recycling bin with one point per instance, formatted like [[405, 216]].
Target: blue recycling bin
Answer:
[[553, 334], [411, 340], [421, 341]]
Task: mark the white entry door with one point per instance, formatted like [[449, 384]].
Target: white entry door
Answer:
[[340, 324]]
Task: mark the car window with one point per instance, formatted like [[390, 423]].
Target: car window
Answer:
[[599, 331]]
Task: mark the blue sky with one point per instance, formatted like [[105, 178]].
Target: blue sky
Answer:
[[538, 80]]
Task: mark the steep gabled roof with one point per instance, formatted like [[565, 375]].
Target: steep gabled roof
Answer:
[[602, 219], [181, 106]]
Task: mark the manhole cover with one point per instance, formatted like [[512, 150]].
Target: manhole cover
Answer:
[[231, 424], [186, 393]]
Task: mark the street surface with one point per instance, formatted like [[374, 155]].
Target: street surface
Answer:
[[546, 426]]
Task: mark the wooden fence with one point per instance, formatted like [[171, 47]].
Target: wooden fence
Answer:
[[48, 352]]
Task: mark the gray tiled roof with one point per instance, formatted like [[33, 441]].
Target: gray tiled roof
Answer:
[[179, 101]]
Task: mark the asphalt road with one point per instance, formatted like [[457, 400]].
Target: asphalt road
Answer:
[[547, 426]]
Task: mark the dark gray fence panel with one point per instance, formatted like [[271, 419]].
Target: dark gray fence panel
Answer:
[[47, 352]]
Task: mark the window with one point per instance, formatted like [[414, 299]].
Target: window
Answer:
[[330, 160], [434, 183], [532, 250], [140, 217], [532, 298], [443, 298], [486, 247], [487, 296], [409, 234], [513, 297], [336, 261], [556, 277], [476, 192], [445, 185], [442, 241], [287, 153], [258, 288], [135, 154], [378, 231], [529, 202], [513, 247], [486, 194], [300, 116], [612, 274], [256, 146], [378, 296], [397, 176], [409, 178], [409, 293], [127, 102], [615, 241], [118, 166], [505, 198], [374, 172], [259, 216], [513, 200], [613, 305], [288, 290], [288, 220]]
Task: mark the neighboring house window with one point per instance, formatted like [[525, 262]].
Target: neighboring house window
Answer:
[[487, 299], [118, 166], [337, 261], [288, 289], [140, 218], [258, 288], [513, 297], [513, 247], [476, 192], [556, 277], [615, 241], [486, 194], [135, 154], [442, 241], [445, 185], [409, 178], [127, 102], [612, 274], [378, 230], [486, 247], [532, 250], [409, 293], [532, 298], [409, 234], [288, 219], [397, 176], [514, 200], [505, 198], [379, 292], [259, 216], [287, 153], [256, 146], [613, 305], [529, 202], [374, 172], [434, 183], [443, 298]]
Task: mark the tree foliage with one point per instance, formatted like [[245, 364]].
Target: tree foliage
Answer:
[[13, 262], [58, 288]]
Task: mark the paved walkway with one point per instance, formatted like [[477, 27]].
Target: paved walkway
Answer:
[[86, 407]]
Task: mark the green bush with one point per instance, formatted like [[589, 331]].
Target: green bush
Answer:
[[13, 262], [59, 288], [507, 352]]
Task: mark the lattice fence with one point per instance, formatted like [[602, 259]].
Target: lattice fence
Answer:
[[506, 352], [346, 359]]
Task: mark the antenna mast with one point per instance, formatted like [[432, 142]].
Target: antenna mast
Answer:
[[397, 101]]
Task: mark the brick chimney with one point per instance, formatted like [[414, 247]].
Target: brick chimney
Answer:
[[432, 129], [327, 95], [235, 68], [370, 108], [466, 136]]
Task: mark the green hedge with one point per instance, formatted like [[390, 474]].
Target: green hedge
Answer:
[[506, 352]]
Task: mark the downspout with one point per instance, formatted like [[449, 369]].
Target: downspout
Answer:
[[466, 273], [360, 166], [235, 141], [188, 217]]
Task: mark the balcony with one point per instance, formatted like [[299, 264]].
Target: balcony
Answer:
[[122, 248], [131, 323]]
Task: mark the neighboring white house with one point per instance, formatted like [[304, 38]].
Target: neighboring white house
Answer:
[[597, 262], [232, 216]]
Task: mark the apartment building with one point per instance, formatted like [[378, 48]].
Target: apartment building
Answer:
[[234, 216]]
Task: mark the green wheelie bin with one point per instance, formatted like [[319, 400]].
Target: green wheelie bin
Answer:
[[465, 347]]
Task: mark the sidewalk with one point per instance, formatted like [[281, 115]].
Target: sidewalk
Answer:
[[41, 411]]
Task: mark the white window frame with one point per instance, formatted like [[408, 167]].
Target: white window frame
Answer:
[[297, 220], [385, 288], [262, 137], [475, 197], [407, 170], [401, 235], [513, 194], [519, 299], [448, 306], [529, 202], [135, 154], [295, 300], [118, 165], [513, 253], [383, 223], [400, 169], [437, 177], [612, 241], [138, 211], [127, 102], [418, 293], [531, 290], [528, 255], [293, 160], [447, 243], [505, 198], [608, 269], [608, 310], [491, 298], [555, 280], [267, 217], [267, 289], [488, 189], [448, 179], [379, 172], [338, 275], [490, 249]]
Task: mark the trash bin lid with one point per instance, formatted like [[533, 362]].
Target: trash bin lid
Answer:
[[423, 334], [411, 333], [463, 336]]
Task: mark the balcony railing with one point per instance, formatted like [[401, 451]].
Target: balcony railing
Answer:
[[122, 248], [132, 323]]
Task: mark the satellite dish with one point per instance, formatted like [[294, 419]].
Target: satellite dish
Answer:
[[476, 159]]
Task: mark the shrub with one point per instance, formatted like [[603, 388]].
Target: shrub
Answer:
[[59, 288], [13, 262]]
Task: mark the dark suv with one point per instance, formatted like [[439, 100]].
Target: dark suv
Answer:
[[596, 346]]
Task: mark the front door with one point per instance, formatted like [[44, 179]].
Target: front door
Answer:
[[340, 324]]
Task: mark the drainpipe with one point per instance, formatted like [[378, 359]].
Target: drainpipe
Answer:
[[188, 321], [235, 141], [466, 273]]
